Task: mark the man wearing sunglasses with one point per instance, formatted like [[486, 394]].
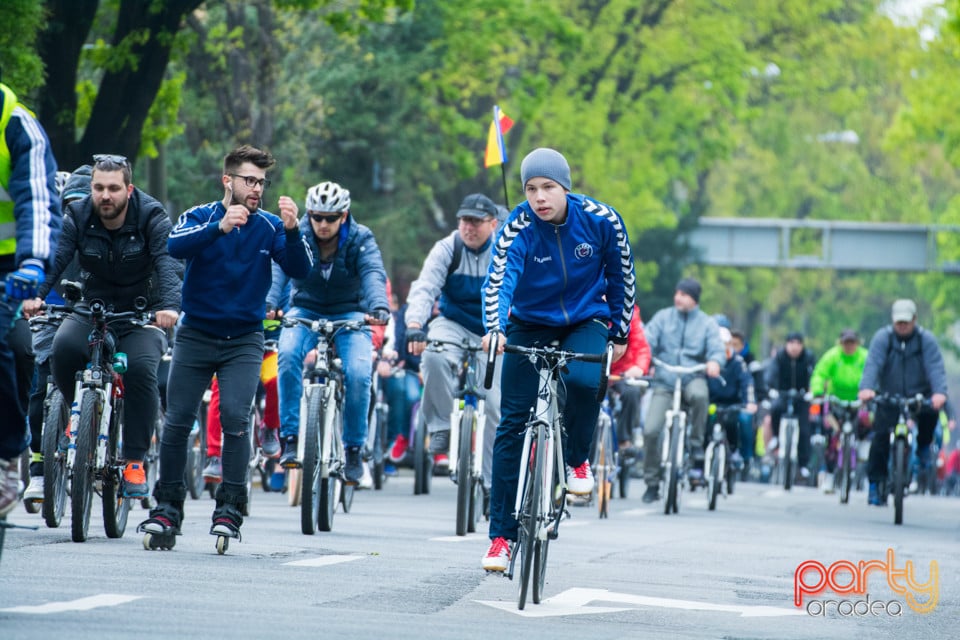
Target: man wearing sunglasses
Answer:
[[453, 273], [347, 282], [229, 247], [118, 235]]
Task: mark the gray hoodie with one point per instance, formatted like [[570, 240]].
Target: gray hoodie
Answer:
[[683, 339]]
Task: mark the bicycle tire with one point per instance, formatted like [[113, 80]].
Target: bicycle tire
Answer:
[[116, 508], [196, 460], [731, 477], [673, 474], [311, 491], [602, 474], [421, 459], [465, 468], [715, 481], [56, 419], [845, 468], [530, 515], [623, 474], [81, 493], [476, 504], [331, 486], [788, 469], [899, 478], [540, 549], [379, 454]]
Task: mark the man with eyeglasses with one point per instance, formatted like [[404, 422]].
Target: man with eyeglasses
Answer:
[[347, 282], [30, 222], [118, 235], [229, 247], [454, 272]]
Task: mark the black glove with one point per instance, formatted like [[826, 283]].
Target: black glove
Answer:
[[382, 316], [416, 335]]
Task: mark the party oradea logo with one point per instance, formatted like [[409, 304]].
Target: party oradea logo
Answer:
[[860, 588]]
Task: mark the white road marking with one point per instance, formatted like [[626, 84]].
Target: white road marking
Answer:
[[322, 561], [466, 538], [82, 604], [577, 602]]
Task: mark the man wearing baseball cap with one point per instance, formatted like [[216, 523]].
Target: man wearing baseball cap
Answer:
[[905, 360]]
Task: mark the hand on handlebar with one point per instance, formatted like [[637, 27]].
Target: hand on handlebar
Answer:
[[32, 307], [866, 395], [416, 340], [713, 369], [937, 401], [485, 343], [166, 319], [618, 351]]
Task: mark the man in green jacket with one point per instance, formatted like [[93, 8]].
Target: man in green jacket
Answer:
[[839, 371]]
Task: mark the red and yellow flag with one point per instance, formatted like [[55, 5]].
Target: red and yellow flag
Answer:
[[496, 149]]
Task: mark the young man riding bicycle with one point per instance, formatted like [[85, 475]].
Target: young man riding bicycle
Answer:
[[562, 270]]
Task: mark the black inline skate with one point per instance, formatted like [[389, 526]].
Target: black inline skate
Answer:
[[227, 518], [163, 526]]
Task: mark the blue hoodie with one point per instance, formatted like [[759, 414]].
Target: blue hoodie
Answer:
[[562, 275], [228, 276]]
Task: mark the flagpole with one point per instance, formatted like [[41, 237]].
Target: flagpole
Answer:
[[503, 174]]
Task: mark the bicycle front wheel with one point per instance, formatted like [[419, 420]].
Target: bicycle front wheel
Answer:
[[845, 467], [899, 478], [55, 458], [670, 505], [421, 458], [603, 467], [311, 490], [81, 495], [530, 510], [116, 508], [332, 487], [715, 481], [788, 469], [464, 468]]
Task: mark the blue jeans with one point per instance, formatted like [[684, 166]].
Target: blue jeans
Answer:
[[403, 390], [354, 348], [518, 392]]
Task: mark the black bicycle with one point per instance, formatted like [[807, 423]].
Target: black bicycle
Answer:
[[94, 459], [901, 444]]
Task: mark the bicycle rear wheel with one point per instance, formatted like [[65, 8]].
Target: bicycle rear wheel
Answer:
[[899, 478], [464, 468], [116, 508], [311, 489], [55, 458], [530, 514], [81, 493]]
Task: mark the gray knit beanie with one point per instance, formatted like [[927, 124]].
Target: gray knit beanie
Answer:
[[545, 163]]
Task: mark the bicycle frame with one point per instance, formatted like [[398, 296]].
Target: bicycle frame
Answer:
[[326, 378]]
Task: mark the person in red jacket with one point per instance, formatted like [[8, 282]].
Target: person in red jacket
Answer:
[[634, 363]]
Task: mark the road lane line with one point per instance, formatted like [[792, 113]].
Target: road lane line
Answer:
[[322, 561], [81, 604]]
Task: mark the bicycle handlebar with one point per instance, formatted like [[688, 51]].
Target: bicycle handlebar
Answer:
[[681, 370], [466, 345], [322, 325], [491, 359]]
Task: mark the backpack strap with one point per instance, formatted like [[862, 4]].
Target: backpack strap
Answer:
[[457, 253]]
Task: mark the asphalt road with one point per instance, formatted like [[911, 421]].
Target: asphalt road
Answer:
[[392, 568]]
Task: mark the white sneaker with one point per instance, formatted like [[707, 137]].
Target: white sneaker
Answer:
[[498, 555], [366, 480], [580, 479], [35, 490]]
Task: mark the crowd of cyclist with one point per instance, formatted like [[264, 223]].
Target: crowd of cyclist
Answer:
[[556, 268]]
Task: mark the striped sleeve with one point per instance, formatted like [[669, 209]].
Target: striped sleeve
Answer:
[[506, 266], [32, 188], [621, 280]]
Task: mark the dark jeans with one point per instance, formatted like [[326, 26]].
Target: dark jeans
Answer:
[[197, 356], [143, 346], [20, 340], [37, 398], [802, 412], [884, 420], [518, 393], [13, 423]]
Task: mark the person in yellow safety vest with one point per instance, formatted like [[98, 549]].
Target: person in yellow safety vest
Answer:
[[30, 222]]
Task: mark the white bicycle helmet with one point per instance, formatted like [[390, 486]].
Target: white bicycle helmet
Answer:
[[328, 197], [61, 180]]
